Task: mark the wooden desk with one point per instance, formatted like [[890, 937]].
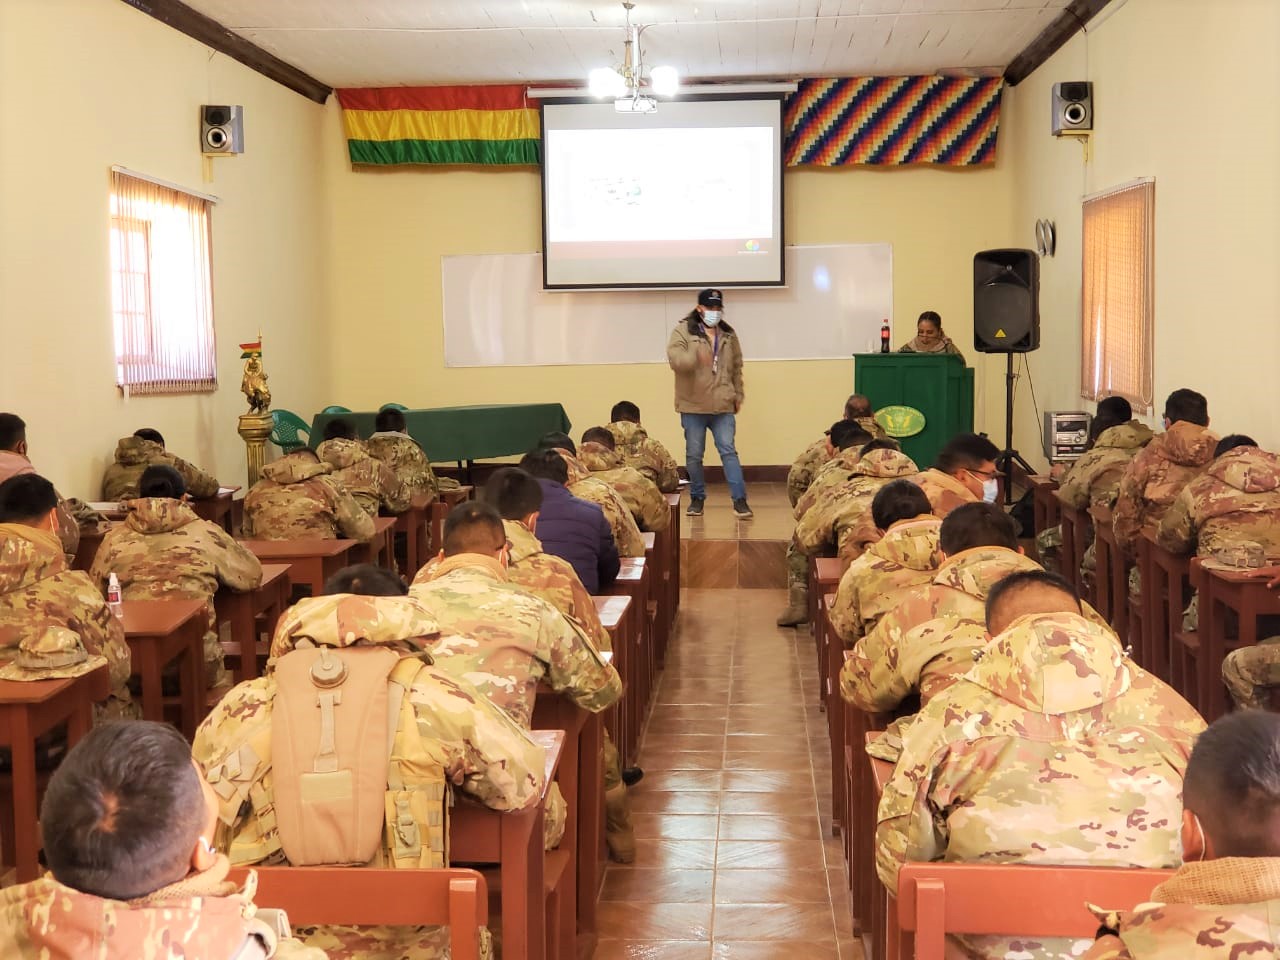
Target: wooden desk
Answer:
[[512, 841], [90, 541], [29, 709], [440, 509], [242, 609], [833, 652], [1075, 539], [1045, 505], [827, 572], [673, 502], [159, 632], [634, 582], [881, 900], [581, 778], [1250, 598], [415, 524], [1111, 578], [218, 508], [379, 550], [1165, 586], [658, 554], [312, 561], [614, 613]]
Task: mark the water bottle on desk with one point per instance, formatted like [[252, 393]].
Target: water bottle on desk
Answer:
[[114, 603]]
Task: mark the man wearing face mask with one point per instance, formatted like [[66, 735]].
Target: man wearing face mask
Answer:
[[964, 472], [707, 359]]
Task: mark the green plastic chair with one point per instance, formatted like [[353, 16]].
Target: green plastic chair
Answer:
[[334, 408], [285, 428], [393, 406]]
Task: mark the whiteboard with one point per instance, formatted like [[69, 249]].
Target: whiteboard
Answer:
[[497, 314]]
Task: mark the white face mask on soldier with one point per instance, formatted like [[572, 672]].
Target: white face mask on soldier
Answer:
[[990, 490], [711, 317]]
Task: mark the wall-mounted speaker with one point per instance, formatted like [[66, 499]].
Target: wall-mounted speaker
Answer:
[[221, 130], [1072, 107], [1006, 301]]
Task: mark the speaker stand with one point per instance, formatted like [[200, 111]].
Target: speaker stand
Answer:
[[1009, 455]]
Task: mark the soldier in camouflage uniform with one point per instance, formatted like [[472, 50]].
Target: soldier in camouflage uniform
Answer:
[[1053, 748], [965, 472], [134, 454], [448, 737], [372, 483], [916, 648], [905, 558], [626, 534], [39, 594], [643, 498], [14, 462], [1094, 479], [843, 443], [296, 499], [502, 638], [856, 409], [1223, 901], [840, 519], [104, 899], [402, 454], [163, 551], [640, 450], [1156, 475]]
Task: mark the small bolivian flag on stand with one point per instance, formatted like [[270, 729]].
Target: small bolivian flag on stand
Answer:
[[441, 125], [249, 350]]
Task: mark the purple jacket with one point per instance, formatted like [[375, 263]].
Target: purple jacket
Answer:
[[577, 531]]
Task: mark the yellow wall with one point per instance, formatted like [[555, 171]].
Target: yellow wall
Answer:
[[1185, 93], [85, 84], [389, 230]]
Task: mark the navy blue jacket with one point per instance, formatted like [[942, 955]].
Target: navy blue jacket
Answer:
[[577, 531]]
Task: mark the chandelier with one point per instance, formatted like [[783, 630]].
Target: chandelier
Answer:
[[628, 84]]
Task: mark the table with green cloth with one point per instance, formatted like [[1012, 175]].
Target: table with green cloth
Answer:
[[458, 434]]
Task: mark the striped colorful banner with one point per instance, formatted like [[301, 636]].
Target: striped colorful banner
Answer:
[[951, 121], [486, 125]]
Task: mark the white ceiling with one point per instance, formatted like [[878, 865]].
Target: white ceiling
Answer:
[[370, 43]]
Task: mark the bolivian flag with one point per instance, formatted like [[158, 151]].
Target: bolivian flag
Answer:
[[441, 125]]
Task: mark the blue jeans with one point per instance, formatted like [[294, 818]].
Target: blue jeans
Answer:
[[722, 427]]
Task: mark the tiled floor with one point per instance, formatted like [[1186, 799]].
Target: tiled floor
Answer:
[[733, 862]]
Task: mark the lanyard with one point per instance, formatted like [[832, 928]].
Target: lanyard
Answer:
[[715, 349]]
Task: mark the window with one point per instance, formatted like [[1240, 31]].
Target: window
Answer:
[[161, 289], [1118, 294]]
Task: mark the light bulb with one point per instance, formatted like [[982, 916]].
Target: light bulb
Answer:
[[665, 81], [606, 82]]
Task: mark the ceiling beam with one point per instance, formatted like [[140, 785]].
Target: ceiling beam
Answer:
[[1072, 19], [213, 34]]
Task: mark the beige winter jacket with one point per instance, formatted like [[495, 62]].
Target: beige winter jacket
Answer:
[[707, 380]]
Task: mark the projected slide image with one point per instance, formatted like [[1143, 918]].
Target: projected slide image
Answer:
[[660, 184]]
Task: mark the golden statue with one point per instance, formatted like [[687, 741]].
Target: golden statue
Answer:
[[254, 385], [255, 426]]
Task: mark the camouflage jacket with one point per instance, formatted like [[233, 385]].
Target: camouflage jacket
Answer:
[[553, 579], [408, 461], [841, 515], [647, 455], [443, 719], [504, 640], [832, 472], [805, 468], [202, 917], [1155, 476], [14, 464], [296, 499], [586, 487], [39, 593], [904, 559], [914, 648], [645, 501], [944, 491], [370, 481], [163, 551], [1237, 498], [134, 455], [1094, 479], [1216, 910], [1052, 749]]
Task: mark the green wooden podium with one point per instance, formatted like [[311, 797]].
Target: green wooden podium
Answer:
[[939, 385]]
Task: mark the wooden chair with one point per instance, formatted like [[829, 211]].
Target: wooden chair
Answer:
[[833, 653], [826, 574], [1165, 591], [1045, 507], [1075, 536], [368, 896], [1223, 591], [935, 899]]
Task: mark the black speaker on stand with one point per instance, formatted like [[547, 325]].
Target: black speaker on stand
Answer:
[[1006, 319]]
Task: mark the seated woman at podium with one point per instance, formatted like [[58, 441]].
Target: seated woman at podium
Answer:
[[929, 337]]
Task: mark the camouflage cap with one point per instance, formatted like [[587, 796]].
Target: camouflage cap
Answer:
[[54, 653], [1240, 555]]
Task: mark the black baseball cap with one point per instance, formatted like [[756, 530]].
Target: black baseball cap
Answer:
[[711, 298]]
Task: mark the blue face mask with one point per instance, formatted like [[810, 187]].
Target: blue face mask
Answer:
[[990, 490], [711, 317]]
